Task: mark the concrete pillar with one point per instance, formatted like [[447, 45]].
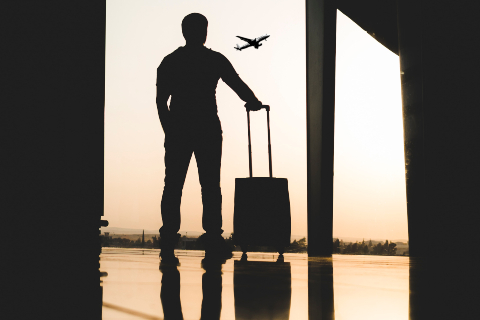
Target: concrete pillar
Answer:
[[410, 54], [439, 72], [321, 19], [438, 43]]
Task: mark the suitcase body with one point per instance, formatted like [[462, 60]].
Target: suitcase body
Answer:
[[261, 214]]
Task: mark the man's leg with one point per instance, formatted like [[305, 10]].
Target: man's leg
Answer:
[[178, 152], [208, 153]]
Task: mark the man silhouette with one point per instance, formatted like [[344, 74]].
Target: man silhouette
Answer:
[[189, 75]]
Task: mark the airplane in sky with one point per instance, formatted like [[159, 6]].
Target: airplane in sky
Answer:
[[251, 42]]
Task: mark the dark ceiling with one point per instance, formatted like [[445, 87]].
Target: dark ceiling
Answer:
[[377, 17]]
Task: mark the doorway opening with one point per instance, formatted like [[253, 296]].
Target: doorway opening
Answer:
[[369, 181]]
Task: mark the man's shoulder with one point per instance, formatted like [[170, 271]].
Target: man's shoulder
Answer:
[[220, 60], [181, 54], [169, 58], [215, 54]]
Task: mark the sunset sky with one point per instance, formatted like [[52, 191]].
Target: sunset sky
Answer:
[[369, 185]]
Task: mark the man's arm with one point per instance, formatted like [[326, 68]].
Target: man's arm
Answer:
[[163, 93], [162, 107], [231, 78]]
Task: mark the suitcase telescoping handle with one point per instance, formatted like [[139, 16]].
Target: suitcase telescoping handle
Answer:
[[267, 108]]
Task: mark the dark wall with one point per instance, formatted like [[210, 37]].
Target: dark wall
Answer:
[[54, 100]]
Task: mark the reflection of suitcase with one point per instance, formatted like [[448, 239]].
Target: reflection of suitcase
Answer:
[[262, 207], [262, 290]]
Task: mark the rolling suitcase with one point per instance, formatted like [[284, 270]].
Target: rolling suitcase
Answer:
[[261, 214]]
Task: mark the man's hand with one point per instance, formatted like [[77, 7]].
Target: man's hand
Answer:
[[253, 106]]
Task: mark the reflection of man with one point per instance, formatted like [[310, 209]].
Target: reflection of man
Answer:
[[170, 293], [211, 290], [191, 125]]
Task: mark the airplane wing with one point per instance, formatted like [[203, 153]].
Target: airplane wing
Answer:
[[244, 39], [243, 47], [262, 38]]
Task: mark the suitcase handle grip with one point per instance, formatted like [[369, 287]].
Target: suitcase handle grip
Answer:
[[267, 108]]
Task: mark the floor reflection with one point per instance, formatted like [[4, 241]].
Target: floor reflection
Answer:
[[341, 287], [262, 290]]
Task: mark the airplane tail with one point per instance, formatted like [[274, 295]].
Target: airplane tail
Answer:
[[238, 47]]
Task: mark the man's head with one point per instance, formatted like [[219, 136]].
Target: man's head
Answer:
[[194, 28]]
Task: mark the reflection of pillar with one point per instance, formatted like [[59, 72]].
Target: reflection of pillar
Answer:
[[443, 288], [320, 290], [419, 290], [321, 16]]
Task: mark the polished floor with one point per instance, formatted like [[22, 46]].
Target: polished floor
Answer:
[[341, 287]]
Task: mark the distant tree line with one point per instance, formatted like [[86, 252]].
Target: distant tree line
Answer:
[[387, 248], [127, 243], [300, 246], [297, 246]]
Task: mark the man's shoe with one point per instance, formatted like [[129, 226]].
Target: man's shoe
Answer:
[[218, 254], [169, 259], [167, 245], [216, 248], [212, 264]]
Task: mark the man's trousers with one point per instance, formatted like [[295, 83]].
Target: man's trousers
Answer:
[[204, 139]]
